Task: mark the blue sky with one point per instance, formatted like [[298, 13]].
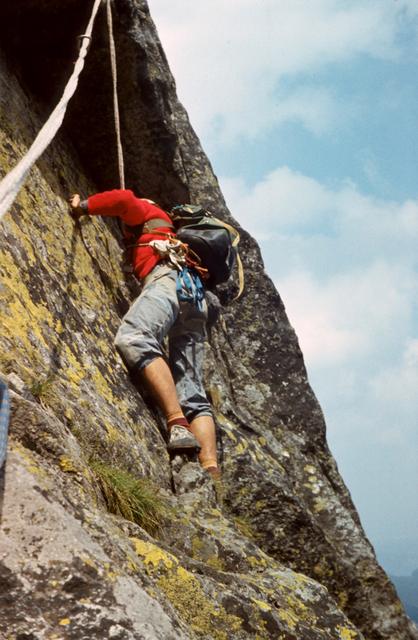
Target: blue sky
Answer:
[[308, 110]]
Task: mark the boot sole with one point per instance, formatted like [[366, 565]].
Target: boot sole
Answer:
[[184, 444]]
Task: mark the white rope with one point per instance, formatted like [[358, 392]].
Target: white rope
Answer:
[[11, 184], [112, 51]]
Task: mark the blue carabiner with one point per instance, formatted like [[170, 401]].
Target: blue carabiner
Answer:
[[189, 287]]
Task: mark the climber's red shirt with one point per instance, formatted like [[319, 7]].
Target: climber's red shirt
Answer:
[[132, 211]]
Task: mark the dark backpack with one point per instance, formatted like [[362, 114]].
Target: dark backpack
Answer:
[[212, 240]]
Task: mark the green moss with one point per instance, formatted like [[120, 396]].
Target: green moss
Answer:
[[42, 389], [132, 498]]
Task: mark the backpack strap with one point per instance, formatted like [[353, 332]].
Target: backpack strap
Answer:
[[235, 242], [230, 228], [240, 277]]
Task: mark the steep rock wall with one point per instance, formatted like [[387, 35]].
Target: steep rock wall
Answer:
[[282, 554]]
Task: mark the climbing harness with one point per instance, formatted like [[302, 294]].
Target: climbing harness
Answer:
[[181, 254], [4, 420], [12, 182], [149, 227], [171, 250], [189, 287]]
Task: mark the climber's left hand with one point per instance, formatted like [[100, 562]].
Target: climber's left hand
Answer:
[[76, 210]]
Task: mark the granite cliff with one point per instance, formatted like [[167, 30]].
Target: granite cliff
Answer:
[[278, 550]]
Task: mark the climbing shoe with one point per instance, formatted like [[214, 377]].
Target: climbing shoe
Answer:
[[182, 438]]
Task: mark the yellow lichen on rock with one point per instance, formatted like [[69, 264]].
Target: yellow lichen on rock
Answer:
[[216, 563], [197, 545], [289, 618], [197, 608], [64, 622], [67, 464], [185, 592], [346, 634], [114, 435], [29, 460], [320, 504], [103, 387], [111, 575], [342, 599], [75, 371], [256, 562], [310, 469], [153, 555], [241, 447], [264, 606], [21, 317]]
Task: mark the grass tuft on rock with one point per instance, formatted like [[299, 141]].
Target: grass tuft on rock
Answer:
[[42, 389], [132, 498]]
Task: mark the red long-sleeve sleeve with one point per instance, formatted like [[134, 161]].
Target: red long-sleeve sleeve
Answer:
[[132, 211], [121, 203]]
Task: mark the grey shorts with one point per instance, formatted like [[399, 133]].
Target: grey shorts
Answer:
[[156, 314]]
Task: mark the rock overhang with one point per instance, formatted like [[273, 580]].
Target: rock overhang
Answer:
[[42, 39]]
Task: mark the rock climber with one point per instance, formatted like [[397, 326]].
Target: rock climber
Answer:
[[157, 313]]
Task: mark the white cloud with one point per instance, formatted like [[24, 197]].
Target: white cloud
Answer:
[[230, 57], [313, 311], [308, 225], [397, 387], [348, 318], [283, 199], [344, 263]]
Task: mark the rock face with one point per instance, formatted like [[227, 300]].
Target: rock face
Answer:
[[278, 550]]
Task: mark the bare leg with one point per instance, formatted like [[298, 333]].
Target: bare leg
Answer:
[[158, 378], [203, 429]]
